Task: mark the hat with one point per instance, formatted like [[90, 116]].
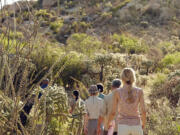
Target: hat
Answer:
[[93, 89]]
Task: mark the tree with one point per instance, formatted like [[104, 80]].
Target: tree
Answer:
[[103, 60]]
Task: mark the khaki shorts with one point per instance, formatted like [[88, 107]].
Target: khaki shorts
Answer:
[[130, 130], [92, 126]]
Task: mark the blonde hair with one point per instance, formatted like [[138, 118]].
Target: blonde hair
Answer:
[[128, 77]]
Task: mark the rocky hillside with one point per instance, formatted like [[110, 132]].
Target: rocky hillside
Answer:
[[153, 21]]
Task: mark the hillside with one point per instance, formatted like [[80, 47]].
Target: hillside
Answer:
[[79, 43], [154, 21]]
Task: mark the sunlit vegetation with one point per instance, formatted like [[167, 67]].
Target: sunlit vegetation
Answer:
[[76, 44]]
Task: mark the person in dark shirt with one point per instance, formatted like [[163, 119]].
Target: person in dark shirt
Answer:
[[28, 106]]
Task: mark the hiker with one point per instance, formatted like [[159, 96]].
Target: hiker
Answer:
[[107, 108], [76, 100], [100, 89], [93, 108], [131, 107], [77, 109], [29, 105]]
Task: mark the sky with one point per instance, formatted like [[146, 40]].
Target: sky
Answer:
[[5, 2]]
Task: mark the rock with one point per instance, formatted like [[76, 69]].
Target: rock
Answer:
[[48, 3], [87, 19], [176, 3], [152, 9], [166, 13], [68, 19]]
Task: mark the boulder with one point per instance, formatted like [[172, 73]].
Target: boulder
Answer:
[[48, 3], [166, 13], [152, 9], [177, 3]]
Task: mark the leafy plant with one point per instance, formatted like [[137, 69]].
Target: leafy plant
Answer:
[[83, 43], [127, 44], [171, 59], [56, 26]]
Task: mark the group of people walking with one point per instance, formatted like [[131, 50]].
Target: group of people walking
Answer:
[[121, 112]]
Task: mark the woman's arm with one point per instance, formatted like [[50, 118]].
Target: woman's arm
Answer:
[[100, 120], [142, 109], [114, 108]]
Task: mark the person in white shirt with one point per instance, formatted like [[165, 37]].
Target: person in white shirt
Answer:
[[93, 106], [107, 108]]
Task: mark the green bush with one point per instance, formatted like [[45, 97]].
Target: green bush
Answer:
[[171, 59], [44, 14], [161, 119], [167, 47], [159, 80], [127, 44], [12, 42], [56, 26], [74, 68], [80, 26], [83, 43], [121, 5]]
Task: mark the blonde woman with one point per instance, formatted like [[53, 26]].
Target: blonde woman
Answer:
[[130, 102]]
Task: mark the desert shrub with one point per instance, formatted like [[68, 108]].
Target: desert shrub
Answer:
[[171, 59], [80, 26], [103, 61], [167, 47], [106, 14], [46, 54], [158, 81], [43, 14], [13, 42], [121, 5], [16, 35], [83, 43], [128, 44], [161, 119], [167, 86], [75, 68], [56, 26]]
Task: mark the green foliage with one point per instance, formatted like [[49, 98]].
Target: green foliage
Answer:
[[80, 26], [83, 43], [171, 59], [103, 59], [56, 26], [161, 119], [127, 44], [174, 74], [75, 67], [159, 80], [167, 47], [12, 42], [121, 5], [46, 54], [43, 14], [106, 14]]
